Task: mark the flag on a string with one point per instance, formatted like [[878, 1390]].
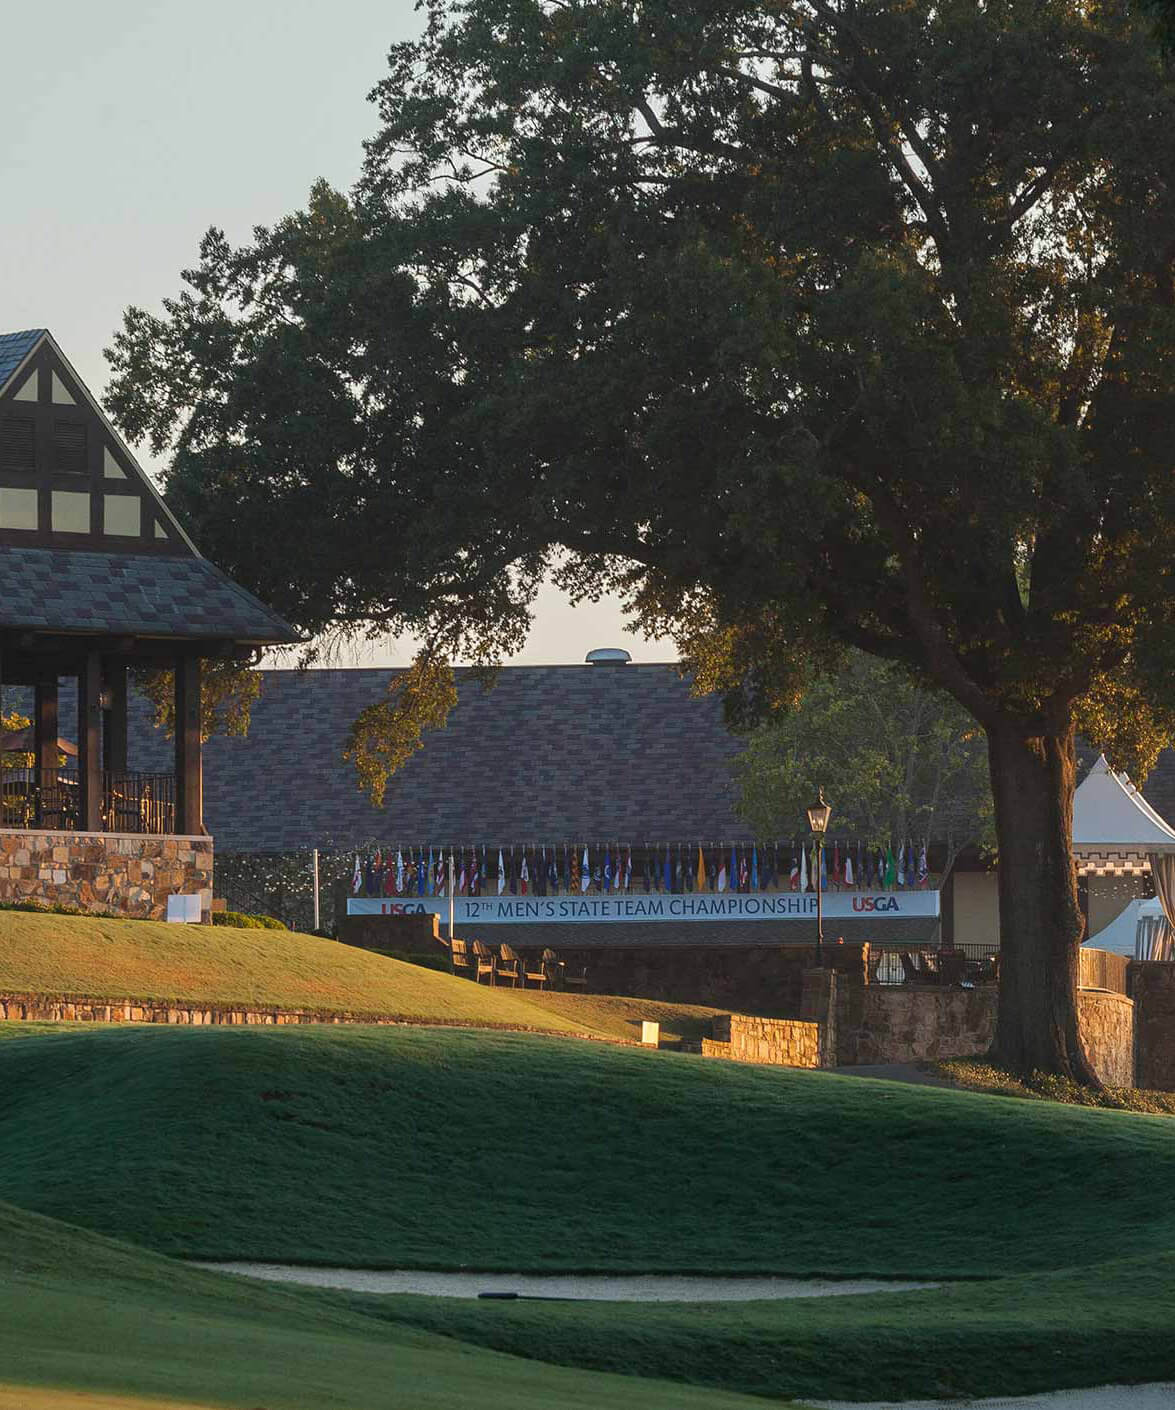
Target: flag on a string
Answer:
[[744, 871], [667, 870], [797, 878], [732, 870], [722, 872], [823, 869], [848, 873], [357, 877], [524, 875], [891, 868], [901, 865], [512, 872], [462, 875], [607, 867], [573, 871], [923, 868], [399, 872], [678, 871], [421, 874], [628, 868], [838, 873], [803, 876], [754, 866], [700, 877], [585, 877]]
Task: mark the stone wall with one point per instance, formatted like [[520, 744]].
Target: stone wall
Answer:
[[411, 934], [1107, 1030], [760, 979], [1152, 986], [105, 872], [878, 1023], [911, 1022], [785, 1042]]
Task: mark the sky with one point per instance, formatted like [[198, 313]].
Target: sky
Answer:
[[131, 126]]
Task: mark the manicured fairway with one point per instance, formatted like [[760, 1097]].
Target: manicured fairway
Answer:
[[442, 1148], [87, 1324], [94, 957]]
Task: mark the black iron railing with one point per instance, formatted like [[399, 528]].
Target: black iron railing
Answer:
[[131, 802], [926, 964]]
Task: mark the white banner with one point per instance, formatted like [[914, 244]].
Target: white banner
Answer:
[[633, 906]]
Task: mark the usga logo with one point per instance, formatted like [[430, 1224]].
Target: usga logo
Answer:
[[400, 908], [875, 903]]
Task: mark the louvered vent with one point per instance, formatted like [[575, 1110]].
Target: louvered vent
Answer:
[[16, 445], [69, 448]]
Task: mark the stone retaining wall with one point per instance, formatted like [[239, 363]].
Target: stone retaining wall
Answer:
[[1152, 986], [104, 872], [37, 1008], [1107, 1030], [786, 1042]]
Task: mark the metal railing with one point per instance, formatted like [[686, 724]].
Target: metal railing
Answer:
[[131, 802], [932, 964]]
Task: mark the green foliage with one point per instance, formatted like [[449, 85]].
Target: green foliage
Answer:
[[247, 922], [1045, 1086], [228, 692], [13, 760], [387, 734], [895, 760]]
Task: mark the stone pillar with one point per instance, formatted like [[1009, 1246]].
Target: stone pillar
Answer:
[[90, 743], [45, 735], [189, 800], [115, 720], [818, 1005]]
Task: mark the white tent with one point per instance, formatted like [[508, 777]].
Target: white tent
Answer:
[[1129, 933], [1115, 830]]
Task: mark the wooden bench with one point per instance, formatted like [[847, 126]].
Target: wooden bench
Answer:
[[459, 957], [484, 962]]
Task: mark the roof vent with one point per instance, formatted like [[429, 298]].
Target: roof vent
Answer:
[[608, 656]]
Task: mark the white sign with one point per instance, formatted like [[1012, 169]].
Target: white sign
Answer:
[[638, 906], [184, 908]]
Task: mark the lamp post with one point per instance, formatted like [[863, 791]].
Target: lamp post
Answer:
[[818, 815]]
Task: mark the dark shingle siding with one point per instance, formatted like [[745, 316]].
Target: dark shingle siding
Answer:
[[14, 348], [551, 753], [129, 594]]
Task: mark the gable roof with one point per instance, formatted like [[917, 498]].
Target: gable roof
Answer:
[[15, 348], [133, 595]]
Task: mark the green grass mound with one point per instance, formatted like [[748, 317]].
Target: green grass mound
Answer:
[[1081, 1326], [451, 1148], [96, 957], [82, 1313]]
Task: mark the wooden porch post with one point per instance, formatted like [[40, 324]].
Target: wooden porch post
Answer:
[[189, 797], [115, 723], [90, 743], [45, 735]]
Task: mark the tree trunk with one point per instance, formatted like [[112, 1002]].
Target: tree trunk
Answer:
[[1041, 925]]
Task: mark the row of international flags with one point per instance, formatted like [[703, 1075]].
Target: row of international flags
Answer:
[[574, 869]]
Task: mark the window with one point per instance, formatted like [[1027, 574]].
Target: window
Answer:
[[18, 509], [16, 445], [71, 512], [69, 448], [122, 515]]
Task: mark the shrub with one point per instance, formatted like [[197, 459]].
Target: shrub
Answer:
[[242, 921]]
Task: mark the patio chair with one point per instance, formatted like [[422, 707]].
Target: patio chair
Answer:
[[459, 957], [543, 972], [510, 966], [484, 962]]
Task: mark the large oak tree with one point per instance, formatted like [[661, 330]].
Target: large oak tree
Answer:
[[808, 325]]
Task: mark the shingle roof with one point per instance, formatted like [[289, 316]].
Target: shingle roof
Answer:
[[14, 348], [551, 753], [130, 595]]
